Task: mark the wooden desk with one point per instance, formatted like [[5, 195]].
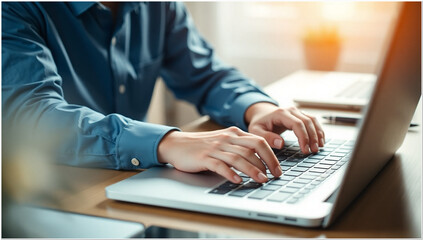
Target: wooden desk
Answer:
[[389, 207]]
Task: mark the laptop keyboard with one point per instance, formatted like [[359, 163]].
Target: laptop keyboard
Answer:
[[302, 173], [360, 90]]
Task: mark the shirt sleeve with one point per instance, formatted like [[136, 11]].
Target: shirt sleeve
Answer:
[[194, 73], [37, 116]]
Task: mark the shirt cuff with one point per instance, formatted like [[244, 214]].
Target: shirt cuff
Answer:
[[138, 143], [243, 102]]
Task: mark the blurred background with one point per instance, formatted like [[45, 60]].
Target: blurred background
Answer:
[[270, 40]]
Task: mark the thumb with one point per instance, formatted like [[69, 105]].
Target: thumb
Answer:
[[273, 139]]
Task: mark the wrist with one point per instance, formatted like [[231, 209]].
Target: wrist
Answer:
[[258, 109], [164, 146]]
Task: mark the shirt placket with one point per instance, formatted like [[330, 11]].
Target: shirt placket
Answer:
[[120, 75]]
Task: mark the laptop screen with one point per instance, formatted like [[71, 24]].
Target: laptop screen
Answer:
[[393, 103]]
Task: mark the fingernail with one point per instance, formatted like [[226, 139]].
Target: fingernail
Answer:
[[278, 143], [307, 148], [237, 178], [278, 171], [262, 177], [322, 142], [315, 147]]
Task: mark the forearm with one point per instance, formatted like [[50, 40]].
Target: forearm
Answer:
[[75, 135]]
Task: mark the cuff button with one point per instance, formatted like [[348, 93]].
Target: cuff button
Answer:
[[135, 162]]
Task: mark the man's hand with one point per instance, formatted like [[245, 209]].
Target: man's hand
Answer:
[[269, 121], [218, 151]]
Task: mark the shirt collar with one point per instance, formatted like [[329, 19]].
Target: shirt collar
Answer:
[[79, 7]]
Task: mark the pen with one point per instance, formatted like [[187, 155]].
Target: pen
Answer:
[[344, 119]]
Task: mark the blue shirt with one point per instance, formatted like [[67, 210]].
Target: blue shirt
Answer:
[[79, 84]]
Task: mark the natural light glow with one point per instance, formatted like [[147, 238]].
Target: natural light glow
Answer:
[[337, 11]]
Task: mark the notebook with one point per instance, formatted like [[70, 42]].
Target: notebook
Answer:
[[314, 189], [333, 89]]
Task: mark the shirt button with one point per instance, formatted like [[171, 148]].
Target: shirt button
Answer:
[[114, 41], [122, 89], [135, 162]]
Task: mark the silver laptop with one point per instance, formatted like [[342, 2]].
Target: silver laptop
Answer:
[[314, 189], [333, 89]]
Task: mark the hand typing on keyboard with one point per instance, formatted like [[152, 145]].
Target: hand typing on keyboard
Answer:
[[269, 121], [303, 173], [230, 150]]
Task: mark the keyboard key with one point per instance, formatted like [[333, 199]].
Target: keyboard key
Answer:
[[279, 197], [281, 158], [288, 190], [328, 162], [302, 180], [279, 182], [239, 193], [326, 149], [308, 176], [313, 161], [320, 157], [286, 178], [271, 187], [229, 185], [315, 182], [295, 185], [269, 176], [276, 151], [292, 173], [305, 191], [245, 189], [293, 148], [220, 191], [325, 175], [332, 144], [285, 153], [333, 158], [322, 153], [335, 167], [317, 170], [285, 168], [252, 185], [288, 164], [260, 194], [295, 159], [324, 166], [342, 151], [338, 154], [301, 155], [338, 141], [299, 169], [305, 165]]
